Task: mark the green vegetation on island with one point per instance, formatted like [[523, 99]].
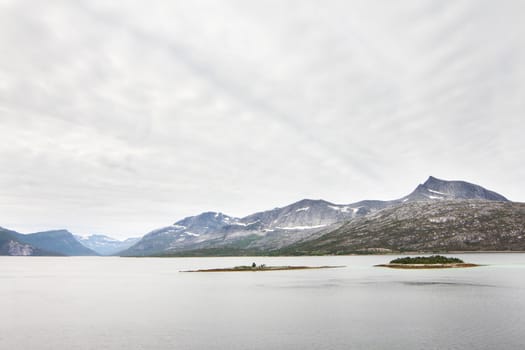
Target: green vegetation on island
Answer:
[[434, 259], [427, 262]]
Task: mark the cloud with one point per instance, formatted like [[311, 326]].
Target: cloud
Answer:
[[121, 117]]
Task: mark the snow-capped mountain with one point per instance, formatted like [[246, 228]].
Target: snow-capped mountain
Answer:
[[279, 227], [105, 245], [305, 214], [188, 232], [269, 228]]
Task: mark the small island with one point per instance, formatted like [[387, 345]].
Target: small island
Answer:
[[427, 262], [257, 268]]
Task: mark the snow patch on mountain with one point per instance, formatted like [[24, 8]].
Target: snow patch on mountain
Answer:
[[435, 197], [343, 209], [436, 192], [300, 227]]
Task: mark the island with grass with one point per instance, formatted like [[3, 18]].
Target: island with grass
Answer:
[[257, 268], [427, 262]]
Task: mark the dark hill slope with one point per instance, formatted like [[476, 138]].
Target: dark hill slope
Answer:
[[11, 245], [61, 242]]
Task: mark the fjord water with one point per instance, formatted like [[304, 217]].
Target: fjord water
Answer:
[[146, 303]]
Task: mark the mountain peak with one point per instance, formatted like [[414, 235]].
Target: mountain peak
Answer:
[[308, 201], [431, 180], [209, 218], [434, 188], [54, 233]]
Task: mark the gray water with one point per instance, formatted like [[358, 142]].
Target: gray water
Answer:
[[146, 303]]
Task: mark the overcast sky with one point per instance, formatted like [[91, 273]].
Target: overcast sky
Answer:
[[121, 117]]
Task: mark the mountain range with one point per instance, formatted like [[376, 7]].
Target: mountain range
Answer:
[[288, 230], [105, 245], [438, 215], [449, 225], [47, 243], [60, 243]]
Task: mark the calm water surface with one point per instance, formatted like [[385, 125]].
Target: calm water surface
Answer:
[[129, 303]]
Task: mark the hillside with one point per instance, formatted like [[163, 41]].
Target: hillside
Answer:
[[11, 245], [457, 225], [59, 241]]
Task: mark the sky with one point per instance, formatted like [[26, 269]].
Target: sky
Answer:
[[124, 116]]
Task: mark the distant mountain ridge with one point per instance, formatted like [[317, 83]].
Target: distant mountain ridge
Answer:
[[105, 245], [280, 227]]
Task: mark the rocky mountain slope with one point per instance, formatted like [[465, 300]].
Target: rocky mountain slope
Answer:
[[436, 189], [278, 228], [105, 245], [272, 228], [447, 225]]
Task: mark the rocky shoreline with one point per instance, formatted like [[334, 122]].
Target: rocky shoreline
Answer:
[[263, 268]]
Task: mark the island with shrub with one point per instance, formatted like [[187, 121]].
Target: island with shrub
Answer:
[[427, 262], [257, 268]]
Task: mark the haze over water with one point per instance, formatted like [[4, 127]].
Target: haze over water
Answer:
[[146, 303]]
